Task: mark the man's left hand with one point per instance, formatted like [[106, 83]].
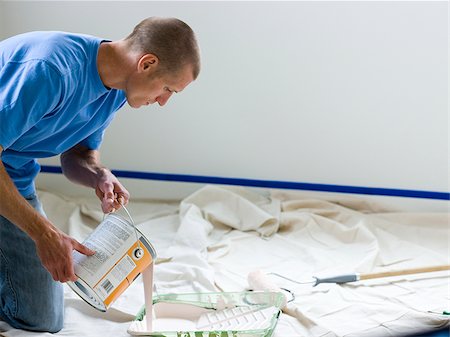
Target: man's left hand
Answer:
[[111, 192]]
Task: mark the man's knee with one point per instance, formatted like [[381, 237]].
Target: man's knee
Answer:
[[33, 309], [42, 320], [50, 322]]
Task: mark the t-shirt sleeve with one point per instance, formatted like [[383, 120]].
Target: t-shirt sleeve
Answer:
[[28, 91], [94, 141]]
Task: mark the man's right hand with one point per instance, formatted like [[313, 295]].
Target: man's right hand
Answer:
[[55, 251]]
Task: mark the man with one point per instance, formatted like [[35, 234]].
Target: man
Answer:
[[58, 93]]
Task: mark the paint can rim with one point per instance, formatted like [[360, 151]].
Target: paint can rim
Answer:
[[87, 294]]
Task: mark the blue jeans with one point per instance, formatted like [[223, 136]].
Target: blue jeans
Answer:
[[29, 297]]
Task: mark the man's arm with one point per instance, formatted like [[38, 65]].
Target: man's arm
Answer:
[[82, 165], [53, 246]]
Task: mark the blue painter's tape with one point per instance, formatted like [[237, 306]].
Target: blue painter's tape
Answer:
[[271, 184]]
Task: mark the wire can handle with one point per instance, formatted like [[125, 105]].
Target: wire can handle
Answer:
[[139, 252]]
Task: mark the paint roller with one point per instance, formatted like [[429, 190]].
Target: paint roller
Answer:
[[257, 280]]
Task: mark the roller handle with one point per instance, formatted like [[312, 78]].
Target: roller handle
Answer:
[[404, 272], [357, 277], [337, 279]]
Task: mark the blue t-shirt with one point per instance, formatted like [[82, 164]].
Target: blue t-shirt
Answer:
[[51, 99]]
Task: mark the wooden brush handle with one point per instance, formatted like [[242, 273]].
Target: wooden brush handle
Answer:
[[404, 272]]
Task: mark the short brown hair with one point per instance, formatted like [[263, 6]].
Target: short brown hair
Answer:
[[171, 40]]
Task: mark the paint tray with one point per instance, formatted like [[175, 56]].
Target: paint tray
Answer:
[[234, 314]]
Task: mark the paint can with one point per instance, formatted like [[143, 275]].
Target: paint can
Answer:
[[122, 253]]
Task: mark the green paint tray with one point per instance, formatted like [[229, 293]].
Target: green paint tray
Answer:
[[234, 314]]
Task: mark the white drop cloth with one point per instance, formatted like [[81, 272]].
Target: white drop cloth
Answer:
[[215, 237]]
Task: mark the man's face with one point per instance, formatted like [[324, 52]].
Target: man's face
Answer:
[[144, 89]]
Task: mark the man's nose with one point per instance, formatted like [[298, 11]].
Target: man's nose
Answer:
[[162, 99]]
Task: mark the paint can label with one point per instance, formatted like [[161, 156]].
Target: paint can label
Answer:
[[122, 253]]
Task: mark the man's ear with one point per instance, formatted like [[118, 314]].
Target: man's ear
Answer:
[[147, 62]]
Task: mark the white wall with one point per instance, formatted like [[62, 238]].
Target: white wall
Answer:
[[346, 93], [2, 20]]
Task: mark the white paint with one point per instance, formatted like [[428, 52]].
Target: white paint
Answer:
[[173, 324], [345, 93], [147, 278]]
